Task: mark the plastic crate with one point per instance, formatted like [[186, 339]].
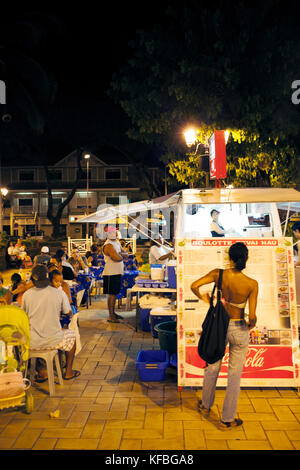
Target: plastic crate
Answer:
[[152, 365]]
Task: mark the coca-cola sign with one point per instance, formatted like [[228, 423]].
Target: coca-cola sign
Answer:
[[260, 362]]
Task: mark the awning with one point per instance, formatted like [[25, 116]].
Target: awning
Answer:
[[240, 195], [199, 196], [111, 212]]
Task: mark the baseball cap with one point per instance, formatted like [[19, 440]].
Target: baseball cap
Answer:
[[111, 232], [45, 249], [39, 275]]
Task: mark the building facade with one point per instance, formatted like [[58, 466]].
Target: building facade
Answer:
[[24, 209]]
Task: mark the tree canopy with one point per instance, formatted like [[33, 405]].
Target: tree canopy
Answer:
[[219, 65]]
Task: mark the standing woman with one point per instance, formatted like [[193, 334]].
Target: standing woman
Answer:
[[237, 289]]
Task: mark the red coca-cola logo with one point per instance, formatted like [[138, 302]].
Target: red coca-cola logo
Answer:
[[254, 358], [260, 362]]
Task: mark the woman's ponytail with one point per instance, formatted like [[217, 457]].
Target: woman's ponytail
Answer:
[[238, 253]]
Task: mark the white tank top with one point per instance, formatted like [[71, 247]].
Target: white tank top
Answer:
[[113, 267]]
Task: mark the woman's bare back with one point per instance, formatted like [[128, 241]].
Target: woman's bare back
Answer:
[[236, 289]]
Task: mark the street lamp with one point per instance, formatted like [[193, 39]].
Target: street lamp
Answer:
[[190, 137], [3, 192], [87, 158]]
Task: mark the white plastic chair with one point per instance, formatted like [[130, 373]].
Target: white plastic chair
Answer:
[[48, 355]]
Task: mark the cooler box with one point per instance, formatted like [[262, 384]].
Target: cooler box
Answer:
[[152, 365], [145, 319], [172, 281], [157, 272], [161, 315]]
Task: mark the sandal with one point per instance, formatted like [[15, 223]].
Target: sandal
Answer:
[[119, 317], [201, 408], [76, 374], [232, 424], [41, 380]]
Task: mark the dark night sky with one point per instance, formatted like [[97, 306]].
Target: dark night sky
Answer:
[[94, 42], [91, 45]]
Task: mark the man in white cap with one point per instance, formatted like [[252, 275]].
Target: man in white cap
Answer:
[[44, 257], [113, 271]]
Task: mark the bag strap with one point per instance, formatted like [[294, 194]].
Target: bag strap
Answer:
[[219, 288], [220, 284]]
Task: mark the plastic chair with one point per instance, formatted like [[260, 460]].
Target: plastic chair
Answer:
[[48, 355]]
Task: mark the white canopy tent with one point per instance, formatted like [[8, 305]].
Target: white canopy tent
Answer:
[[279, 198]]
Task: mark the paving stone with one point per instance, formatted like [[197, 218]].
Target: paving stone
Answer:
[[110, 439], [162, 444], [131, 444], [284, 413], [44, 444], [27, 439], [279, 440], [261, 405], [194, 441], [6, 442], [61, 432], [248, 445], [77, 444]]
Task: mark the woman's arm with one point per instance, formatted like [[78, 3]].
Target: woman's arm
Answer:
[[66, 289], [252, 305], [212, 276]]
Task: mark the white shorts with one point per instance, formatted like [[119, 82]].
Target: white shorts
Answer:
[[68, 340]]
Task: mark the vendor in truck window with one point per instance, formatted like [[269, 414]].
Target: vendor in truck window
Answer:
[[216, 229], [296, 233]]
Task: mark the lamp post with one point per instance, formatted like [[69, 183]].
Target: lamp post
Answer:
[[87, 158], [3, 192]]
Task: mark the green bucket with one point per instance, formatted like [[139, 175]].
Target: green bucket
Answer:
[[167, 336]]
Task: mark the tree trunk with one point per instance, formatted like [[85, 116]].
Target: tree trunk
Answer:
[[55, 219]]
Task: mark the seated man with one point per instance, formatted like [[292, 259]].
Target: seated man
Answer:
[[44, 257], [78, 261], [43, 305]]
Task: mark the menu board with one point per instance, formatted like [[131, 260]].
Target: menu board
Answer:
[[273, 357]]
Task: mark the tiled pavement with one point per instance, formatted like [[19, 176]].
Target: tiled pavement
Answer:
[[109, 408]]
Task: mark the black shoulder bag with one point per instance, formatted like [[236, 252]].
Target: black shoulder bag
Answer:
[[212, 342]]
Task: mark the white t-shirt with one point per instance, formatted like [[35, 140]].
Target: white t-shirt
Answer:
[[43, 307], [156, 252], [112, 267]]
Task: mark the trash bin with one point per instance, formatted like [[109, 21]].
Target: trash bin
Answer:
[[167, 336], [161, 315]]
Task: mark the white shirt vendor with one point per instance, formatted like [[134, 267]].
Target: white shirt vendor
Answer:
[[157, 252]]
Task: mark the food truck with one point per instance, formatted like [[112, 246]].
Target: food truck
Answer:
[[250, 215]]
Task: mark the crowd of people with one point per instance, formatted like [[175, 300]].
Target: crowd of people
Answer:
[[45, 296]]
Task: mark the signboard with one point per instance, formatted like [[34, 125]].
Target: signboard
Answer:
[[273, 357], [217, 155]]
